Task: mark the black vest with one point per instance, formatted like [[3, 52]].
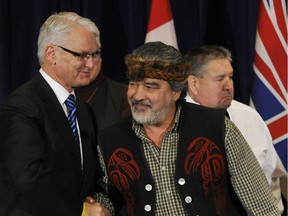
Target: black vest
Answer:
[[201, 177]]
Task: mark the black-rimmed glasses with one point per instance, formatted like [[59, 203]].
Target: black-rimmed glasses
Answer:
[[82, 56]]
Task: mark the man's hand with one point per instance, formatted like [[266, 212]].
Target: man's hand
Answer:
[[95, 209]]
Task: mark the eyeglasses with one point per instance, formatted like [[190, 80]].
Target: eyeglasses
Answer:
[[82, 56]]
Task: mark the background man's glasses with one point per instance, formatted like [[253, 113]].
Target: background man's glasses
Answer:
[[82, 56]]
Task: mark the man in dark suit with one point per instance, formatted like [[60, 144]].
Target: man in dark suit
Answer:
[[48, 161], [107, 98]]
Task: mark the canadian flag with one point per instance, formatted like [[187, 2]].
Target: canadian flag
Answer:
[[161, 24]]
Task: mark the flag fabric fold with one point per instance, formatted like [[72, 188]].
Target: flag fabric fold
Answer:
[[269, 94], [161, 24]]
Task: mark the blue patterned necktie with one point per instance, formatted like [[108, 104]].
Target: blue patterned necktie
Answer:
[[71, 106]]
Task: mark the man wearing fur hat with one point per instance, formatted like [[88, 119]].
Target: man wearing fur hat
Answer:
[[176, 158]]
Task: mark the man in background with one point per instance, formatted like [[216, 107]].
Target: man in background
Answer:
[[210, 84], [106, 97]]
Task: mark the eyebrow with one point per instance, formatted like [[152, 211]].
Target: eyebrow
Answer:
[[153, 83], [220, 76], [224, 75]]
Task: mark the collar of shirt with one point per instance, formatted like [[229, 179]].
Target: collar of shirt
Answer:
[[189, 99], [60, 92], [138, 128]]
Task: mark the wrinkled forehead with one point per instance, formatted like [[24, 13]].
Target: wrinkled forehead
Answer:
[[219, 67]]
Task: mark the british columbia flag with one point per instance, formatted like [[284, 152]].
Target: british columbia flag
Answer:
[[269, 95]]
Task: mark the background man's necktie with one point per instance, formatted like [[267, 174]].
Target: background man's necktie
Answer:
[[71, 106]]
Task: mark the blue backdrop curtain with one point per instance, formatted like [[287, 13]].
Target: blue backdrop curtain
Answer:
[[231, 23], [122, 23]]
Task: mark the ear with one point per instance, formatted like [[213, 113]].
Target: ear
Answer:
[[193, 85], [50, 53], [176, 95]]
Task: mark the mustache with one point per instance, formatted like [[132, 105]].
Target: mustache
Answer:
[[141, 102]]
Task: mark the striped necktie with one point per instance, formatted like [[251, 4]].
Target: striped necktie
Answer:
[[71, 106]]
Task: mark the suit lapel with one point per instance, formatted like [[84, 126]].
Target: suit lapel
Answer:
[[56, 113], [88, 138]]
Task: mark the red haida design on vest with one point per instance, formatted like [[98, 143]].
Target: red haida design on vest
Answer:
[[205, 155], [121, 168]]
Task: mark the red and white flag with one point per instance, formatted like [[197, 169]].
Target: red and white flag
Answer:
[[161, 24], [269, 95]]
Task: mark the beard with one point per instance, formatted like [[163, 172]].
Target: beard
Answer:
[[149, 117]]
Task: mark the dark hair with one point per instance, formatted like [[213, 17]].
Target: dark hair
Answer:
[[201, 56]]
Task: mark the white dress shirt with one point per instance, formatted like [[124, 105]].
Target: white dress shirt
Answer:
[[257, 134]]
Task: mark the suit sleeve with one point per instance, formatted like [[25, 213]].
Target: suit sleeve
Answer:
[[25, 175]]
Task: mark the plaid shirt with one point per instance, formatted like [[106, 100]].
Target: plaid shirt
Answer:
[[240, 159], [162, 165]]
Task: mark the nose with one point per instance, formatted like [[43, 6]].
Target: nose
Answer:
[[136, 92], [228, 85], [89, 63]]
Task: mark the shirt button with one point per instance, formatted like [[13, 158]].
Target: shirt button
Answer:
[[181, 181], [168, 192], [148, 187], [147, 208], [188, 199], [163, 168]]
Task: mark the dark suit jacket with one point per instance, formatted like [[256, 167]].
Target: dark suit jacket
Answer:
[[108, 100], [40, 172]]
